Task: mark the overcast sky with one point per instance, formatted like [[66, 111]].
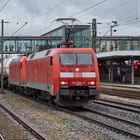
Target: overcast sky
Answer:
[[40, 15]]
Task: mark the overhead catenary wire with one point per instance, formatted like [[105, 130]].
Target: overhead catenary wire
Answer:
[[84, 10], [57, 5], [52, 24], [88, 8], [121, 21], [50, 10], [115, 7], [132, 21], [122, 4], [32, 20], [4, 5], [19, 28]]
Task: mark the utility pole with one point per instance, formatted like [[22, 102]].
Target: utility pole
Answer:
[[2, 40], [94, 34], [2, 33]]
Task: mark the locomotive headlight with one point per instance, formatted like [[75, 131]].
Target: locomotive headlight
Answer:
[[64, 83], [77, 69], [92, 82]]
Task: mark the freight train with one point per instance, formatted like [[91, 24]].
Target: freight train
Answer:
[[65, 76]]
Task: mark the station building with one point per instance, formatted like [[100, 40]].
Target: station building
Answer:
[[119, 59], [118, 56], [80, 34]]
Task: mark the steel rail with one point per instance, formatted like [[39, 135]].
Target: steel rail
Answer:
[[115, 129], [113, 117], [1, 137], [91, 120], [133, 106], [32, 129], [118, 94], [118, 106]]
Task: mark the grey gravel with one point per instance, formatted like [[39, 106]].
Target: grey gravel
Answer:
[[134, 117], [56, 124], [10, 129]]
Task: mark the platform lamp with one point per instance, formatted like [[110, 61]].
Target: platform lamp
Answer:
[[115, 24]]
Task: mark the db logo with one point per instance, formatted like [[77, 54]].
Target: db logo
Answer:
[[77, 74]]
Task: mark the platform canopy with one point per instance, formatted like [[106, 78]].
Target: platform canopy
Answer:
[[118, 54]]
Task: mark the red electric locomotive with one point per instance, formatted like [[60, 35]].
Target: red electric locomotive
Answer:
[[67, 76], [17, 71]]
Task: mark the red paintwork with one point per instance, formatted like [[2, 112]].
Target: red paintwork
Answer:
[[137, 68], [39, 70], [23, 69], [14, 71], [17, 71]]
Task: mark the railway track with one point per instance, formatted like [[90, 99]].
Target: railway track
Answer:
[[119, 105], [84, 115], [113, 117], [104, 124], [126, 95], [32, 129], [1, 137]]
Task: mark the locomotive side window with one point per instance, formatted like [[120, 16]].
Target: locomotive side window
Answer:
[[84, 59], [76, 59], [32, 55], [47, 53], [51, 60], [138, 70], [67, 59]]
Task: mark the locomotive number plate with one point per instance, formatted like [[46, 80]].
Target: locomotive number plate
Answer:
[[77, 74]]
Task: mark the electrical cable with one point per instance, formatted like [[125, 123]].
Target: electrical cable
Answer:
[[4, 5], [19, 28], [88, 8], [115, 7]]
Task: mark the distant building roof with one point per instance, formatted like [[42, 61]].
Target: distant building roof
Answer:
[[63, 26]]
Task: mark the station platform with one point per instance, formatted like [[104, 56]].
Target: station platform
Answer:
[[135, 86], [121, 90]]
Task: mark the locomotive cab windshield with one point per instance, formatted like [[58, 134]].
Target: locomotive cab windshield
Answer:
[[76, 59]]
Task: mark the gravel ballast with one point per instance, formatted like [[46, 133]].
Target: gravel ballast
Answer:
[[57, 124]]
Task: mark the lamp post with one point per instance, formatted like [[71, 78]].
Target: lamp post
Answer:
[[112, 26], [111, 49]]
